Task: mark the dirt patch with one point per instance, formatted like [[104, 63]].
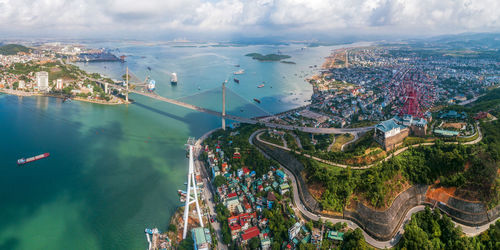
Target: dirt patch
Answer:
[[455, 125], [441, 194], [315, 189]]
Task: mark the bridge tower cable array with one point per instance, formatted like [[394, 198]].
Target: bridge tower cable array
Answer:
[[191, 186], [224, 105]]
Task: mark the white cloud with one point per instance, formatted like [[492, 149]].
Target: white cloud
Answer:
[[249, 17]]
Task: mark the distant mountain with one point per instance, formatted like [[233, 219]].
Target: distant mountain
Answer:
[[465, 41], [12, 49]]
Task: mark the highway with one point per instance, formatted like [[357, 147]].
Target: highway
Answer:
[[244, 119]]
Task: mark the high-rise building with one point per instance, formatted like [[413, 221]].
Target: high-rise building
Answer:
[[22, 84], [42, 80], [59, 83]]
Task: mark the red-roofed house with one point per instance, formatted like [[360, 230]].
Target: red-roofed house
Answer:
[[235, 230], [249, 234]]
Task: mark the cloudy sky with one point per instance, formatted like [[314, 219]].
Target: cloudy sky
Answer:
[[229, 19]]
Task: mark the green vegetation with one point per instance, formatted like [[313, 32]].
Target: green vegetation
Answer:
[[275, 139], [268, 57], [222, 215], [433, 230], [219, 180], [12, 49]]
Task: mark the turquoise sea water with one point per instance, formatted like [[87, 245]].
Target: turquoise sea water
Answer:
[[115, 170]]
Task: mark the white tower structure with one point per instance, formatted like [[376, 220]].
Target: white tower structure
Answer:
[[191, 186], [224, 105], [126, 93]]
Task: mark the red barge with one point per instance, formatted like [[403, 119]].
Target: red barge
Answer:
[[34, 158]]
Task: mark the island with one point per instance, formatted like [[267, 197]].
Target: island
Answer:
[[268, 57]]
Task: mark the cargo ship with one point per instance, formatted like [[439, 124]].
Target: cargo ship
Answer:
[[34, 158], [236, 80], [173, 79], [256, 100], [260, 86]]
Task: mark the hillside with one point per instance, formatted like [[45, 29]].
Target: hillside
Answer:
[[12, 49]]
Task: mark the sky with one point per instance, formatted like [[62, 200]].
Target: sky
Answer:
[[252, 19]]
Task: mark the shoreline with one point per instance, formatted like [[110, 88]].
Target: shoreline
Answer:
[[75, 98]]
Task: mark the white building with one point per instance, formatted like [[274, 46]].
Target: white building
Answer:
[[42, 80], [22, 84], [59, 84]]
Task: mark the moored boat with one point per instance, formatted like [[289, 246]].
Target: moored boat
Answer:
[[256, 100]]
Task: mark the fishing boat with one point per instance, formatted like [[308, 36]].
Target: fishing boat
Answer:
[[256, 100], [260, 86], [236, 80]]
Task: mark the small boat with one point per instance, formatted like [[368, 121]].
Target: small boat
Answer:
[[34, 158], [237, 65], [149, 68], [236, 80], [260, 86], [173, 79], [239, 72], [256, 100]]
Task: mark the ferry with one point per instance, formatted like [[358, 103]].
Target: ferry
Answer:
[[34, 158], [256, 100], [260, 86], [173, 79], [239, 72], [151, 85], [236, 80]]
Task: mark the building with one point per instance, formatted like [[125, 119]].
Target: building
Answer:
[[389, 134], [294, 230], [42, 80], [201, 242], [249, 234], [59, 84], [22, 84]]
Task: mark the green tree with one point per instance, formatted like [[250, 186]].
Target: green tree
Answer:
[[219, 180], [254, 243]]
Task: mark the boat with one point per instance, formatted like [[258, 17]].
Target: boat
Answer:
[[237, 65], [236, 80], [151, 85], [239, 72], [149, 68], [260, 86], [256, 100], [34, 158], [173, 79]]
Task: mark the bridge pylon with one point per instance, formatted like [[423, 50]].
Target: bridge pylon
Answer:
[[191, 192], [224, 105], [126, 93]]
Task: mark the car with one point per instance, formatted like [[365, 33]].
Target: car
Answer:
[[212, 220]]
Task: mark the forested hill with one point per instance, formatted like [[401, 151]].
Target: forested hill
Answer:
[[12, 49]]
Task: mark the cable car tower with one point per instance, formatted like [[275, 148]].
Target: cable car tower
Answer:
[[191, 186]]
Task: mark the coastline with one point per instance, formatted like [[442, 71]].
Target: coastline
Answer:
[[75, 98]]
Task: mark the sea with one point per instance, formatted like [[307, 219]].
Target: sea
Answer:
[[114, 170]]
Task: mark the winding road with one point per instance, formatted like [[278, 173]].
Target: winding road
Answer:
[[397, 152], [298, 206]]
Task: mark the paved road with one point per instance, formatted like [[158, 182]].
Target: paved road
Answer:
[[399, 151], [470, 231]]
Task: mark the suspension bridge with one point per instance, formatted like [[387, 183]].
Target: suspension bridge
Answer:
[[125, 90]]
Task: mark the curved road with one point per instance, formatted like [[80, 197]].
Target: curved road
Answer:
[[397, 152], [469, 231]]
